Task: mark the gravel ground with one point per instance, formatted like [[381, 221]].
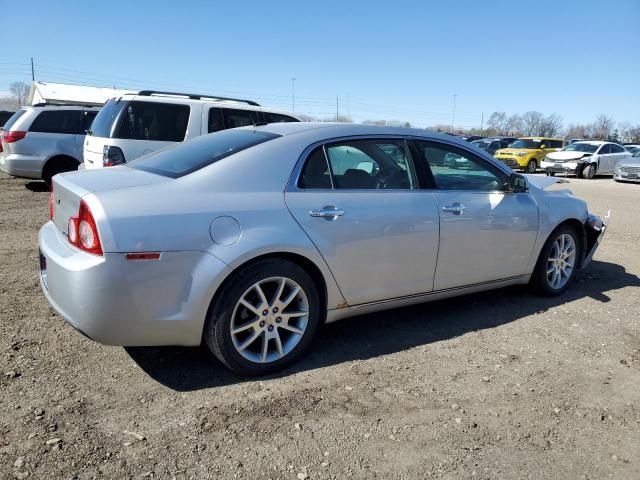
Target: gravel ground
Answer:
[[503, 384]]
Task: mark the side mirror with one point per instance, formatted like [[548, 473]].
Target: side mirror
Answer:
[[517, 183], [543, 146]]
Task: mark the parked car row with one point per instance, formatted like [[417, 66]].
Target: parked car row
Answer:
[[42, 140]]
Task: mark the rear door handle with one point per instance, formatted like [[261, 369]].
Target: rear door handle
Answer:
[[455, 208], [328, 212]]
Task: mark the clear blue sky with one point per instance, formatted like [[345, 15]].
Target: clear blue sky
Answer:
[[404, 60]]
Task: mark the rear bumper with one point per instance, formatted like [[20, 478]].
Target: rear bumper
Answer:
[[116, 301], [20, 165]]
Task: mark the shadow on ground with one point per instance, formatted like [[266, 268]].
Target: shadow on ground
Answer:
[[367, 336], [37, 186]]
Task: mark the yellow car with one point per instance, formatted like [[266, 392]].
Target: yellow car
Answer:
[[527, 152]]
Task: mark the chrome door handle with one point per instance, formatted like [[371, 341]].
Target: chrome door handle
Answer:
[[456, 208], [328, 212]]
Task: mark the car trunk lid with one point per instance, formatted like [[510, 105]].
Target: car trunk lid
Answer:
[[70, 188]]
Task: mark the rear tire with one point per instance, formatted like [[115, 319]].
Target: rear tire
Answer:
[[551, 174], [58, 165], [241, 327], [552, 275]]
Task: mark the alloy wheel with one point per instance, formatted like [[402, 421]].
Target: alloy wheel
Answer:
[[269, 320], [561, 261]]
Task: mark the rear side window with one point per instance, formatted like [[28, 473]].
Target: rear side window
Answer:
[[14, 118], [554, 143], [277, 118], [200, 152], [59, 121], [215, 120], [234, 118], [166, 122], [616, 148]]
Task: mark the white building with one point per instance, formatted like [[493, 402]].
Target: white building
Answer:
[[60, 93]]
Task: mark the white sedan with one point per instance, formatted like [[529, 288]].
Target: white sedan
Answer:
[[585, 159]]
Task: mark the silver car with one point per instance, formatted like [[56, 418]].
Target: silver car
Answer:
[[628, 170], [41, 141], [252, 238]]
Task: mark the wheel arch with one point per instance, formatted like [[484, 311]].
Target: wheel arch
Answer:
[[51, 161], [578, 226]]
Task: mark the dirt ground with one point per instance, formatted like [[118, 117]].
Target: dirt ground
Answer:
[[503, 384]]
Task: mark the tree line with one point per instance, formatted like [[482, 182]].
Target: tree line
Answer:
[[536, 124]]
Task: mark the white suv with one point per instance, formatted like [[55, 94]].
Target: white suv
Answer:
[[135, 124], [40, 141]]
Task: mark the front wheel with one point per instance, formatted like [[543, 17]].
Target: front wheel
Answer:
[[551, 174], [589, 171], [263, 318], [558, 262], [532, 166]]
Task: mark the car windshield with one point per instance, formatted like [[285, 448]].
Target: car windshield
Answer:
[[637, 154], [185, 158], [526, 143], [483, 144], [581, 147]]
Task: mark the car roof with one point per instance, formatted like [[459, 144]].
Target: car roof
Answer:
[[185, 99], [329, 130], [592, 142]]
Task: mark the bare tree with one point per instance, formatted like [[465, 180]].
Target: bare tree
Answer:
[[623, 129], [20, 91], [550, 126], [307, 118], [578, 131], [634, 134], [531, 123], [514, 125], [602, 127], [498, 122]]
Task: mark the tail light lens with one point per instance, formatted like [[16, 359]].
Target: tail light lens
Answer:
[[112, 156], [51, 206], [82, 231], [12, 137]]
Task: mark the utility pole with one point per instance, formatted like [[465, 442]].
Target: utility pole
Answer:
[[453, 111], [482, 123], [348, 108], [293, 94], [337, 109], [33, 75]]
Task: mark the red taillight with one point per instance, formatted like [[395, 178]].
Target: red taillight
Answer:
[[51, 203], [12, 137], [82, 231]]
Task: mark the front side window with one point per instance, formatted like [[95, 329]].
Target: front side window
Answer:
[[455, 169], [234, 118], [215, 120], [59, 121], [371, 165], [166, 122]]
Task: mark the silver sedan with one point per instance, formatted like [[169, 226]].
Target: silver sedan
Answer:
[[252, 238]]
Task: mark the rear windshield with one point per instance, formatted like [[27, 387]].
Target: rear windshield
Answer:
[[14, 118], [186, 158], [104, 123]]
